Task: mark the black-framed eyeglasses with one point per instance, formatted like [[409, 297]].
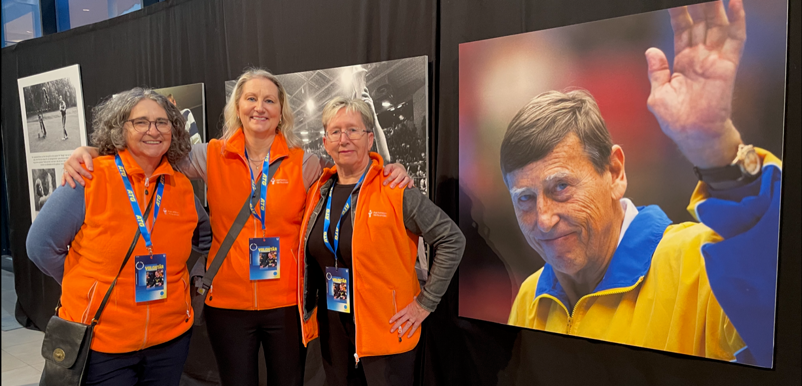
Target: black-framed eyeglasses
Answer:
[[142, 125], [351, 133]]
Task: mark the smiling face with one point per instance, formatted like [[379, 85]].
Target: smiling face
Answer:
[[259, 107], [568, 212], [348, 153], [150, 146]]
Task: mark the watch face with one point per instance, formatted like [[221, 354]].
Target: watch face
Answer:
[[751, 162]]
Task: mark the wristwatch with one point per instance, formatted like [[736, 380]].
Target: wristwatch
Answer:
[[744, 168]]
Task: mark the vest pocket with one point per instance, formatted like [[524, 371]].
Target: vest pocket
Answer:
[[90, 297]]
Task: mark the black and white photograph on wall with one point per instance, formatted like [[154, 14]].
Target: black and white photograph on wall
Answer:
[[53, 125], [191, 101], [397, 90], [44, 183], [52, 117]]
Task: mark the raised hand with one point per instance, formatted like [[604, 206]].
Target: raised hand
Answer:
[[694, 104]]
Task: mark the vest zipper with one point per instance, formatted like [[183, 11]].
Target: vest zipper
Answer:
[[186, 288], [353, 275], [147, 322]]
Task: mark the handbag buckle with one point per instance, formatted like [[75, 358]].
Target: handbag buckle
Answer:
[[59, 355]]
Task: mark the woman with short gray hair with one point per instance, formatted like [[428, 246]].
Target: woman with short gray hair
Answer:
[[81, 236]]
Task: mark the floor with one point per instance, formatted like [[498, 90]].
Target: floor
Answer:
[[22, 360]]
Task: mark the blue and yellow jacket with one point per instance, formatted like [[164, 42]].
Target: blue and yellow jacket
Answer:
[[705, 289]]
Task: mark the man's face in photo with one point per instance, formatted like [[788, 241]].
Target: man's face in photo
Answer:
[[565, 208]]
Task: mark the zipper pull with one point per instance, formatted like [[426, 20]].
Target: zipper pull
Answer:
[[356, 359]]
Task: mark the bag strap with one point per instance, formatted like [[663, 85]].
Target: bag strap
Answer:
[[127, 256], [231, 236]]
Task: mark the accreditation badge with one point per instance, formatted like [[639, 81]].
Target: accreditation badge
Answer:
[[338, 290], [151, 277], [265, 258]]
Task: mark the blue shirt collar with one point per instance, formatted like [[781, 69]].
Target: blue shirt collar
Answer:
[[631, 259]]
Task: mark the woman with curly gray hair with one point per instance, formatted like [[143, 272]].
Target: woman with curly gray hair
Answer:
[[81, 236]]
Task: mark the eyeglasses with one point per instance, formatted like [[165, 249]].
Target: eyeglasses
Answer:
[[352, 133], [142, 125]]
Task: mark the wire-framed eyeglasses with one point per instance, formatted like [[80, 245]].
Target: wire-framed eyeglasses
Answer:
[[351, 133], [142, 125]]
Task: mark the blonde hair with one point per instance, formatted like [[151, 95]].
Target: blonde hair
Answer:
[[232, 122]]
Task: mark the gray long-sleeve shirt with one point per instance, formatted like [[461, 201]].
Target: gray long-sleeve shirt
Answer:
[[62, 217]]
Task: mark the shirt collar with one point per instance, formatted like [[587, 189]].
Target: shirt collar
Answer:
[[632, 257], [630, 211]]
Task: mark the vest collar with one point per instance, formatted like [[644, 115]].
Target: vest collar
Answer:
[[133, 168], [236, 145], [630, 262], [376, 167]]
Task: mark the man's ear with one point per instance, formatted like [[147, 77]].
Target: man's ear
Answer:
[[618, 176]]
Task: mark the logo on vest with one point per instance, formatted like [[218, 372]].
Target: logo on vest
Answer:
[[173, 213], [373, 213], [280, 181]]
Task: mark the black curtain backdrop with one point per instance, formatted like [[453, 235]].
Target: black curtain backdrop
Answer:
[[211, 41]]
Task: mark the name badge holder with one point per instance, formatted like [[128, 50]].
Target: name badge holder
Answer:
[[151, 270], [264, 260], [338, 288]]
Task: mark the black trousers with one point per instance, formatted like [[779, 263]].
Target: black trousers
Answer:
[[158, 365], [236, 335], [338, 349]]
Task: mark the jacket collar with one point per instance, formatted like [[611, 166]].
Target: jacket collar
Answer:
[[327, 178], [133, 168], [630, 262], [236, 145]]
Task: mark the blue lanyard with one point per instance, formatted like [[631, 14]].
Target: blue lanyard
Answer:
[[263, 193], [327, 218], [135, 205]]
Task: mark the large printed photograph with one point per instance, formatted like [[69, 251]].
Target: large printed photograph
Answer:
[[397, 90], [620, 180]]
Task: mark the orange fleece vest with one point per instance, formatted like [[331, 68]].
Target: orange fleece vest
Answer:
[[229, 186], [100, 246], [384, 254]]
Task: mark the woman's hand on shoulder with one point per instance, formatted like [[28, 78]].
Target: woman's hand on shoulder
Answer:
[[74, 171], [397, 176]]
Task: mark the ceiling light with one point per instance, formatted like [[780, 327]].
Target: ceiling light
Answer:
[[386, 104], [86, 9]]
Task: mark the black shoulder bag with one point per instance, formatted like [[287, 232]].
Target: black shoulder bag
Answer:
[[66, 344], [201, 277]]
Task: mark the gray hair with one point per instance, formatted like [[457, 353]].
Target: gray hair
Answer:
[[350, 105], [109, 117], [232, 122], [546, 120]]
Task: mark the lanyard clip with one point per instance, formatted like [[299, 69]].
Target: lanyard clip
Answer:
[[150, 251]]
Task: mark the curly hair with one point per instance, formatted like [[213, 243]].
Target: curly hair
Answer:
[[109, 117], [232, 122]]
